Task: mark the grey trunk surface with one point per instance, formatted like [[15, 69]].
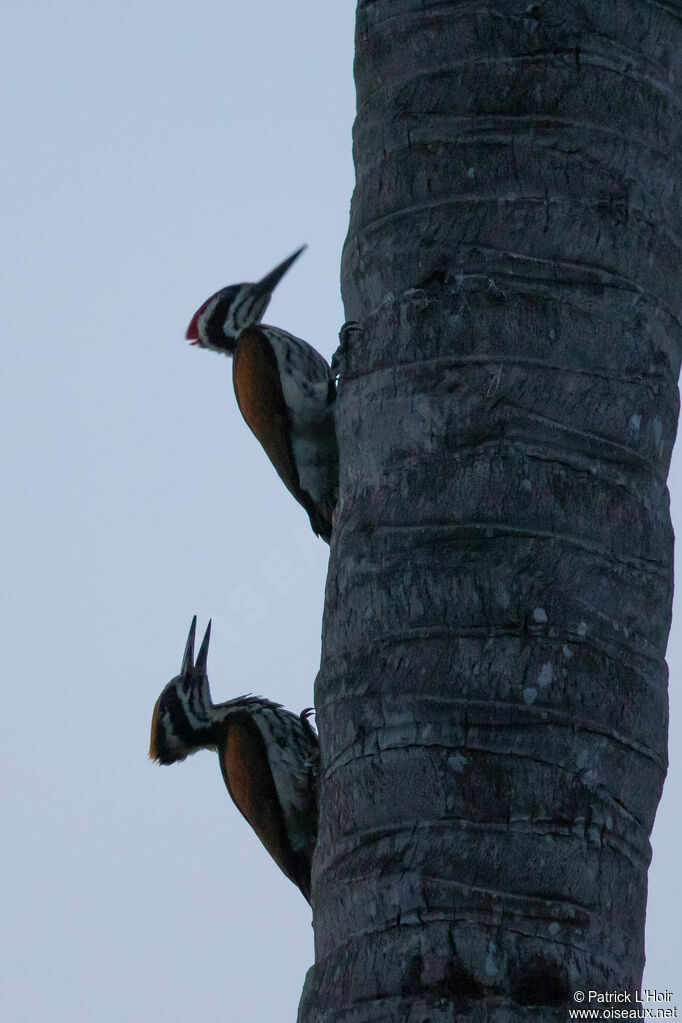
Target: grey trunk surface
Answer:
[[492, 699]]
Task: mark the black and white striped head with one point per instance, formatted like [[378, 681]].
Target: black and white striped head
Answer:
[[219, 321], [183, 720]]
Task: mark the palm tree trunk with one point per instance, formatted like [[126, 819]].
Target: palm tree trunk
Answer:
[[492, 699]]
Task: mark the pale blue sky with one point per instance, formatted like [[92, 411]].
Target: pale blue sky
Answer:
[[153, 153]]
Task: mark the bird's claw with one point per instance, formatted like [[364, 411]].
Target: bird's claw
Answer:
[[339, 356]]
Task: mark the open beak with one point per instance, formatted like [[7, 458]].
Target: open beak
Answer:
[[202, 656], [188, 656], [268, 284], [188, 665]]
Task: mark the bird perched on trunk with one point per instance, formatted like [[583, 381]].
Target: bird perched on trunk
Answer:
[[268, 757], [284, 388]]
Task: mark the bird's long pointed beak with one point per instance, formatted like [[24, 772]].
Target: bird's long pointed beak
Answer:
[[188, 656], [202, 656], [268, 284]]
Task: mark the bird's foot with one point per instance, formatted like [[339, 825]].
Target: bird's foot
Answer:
[[338, 363]]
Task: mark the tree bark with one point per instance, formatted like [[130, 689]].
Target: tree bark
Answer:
[[492, 699]]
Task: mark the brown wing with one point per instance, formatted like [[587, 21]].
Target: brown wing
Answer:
[[245, 768], [259, 395]]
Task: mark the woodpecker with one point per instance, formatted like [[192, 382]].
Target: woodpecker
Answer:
[[268, 757], [284, 388]]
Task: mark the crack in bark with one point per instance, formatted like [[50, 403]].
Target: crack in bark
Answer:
[[547, 60], [548, 202], [509, 447], [470, 130], [638, 855], [444, 917], [450, 7], [447, 361], [646, 566], [562, 267], [515, 438], [355, 750], [417, 634]]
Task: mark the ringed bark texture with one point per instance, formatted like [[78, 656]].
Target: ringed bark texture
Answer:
[[492, 699]]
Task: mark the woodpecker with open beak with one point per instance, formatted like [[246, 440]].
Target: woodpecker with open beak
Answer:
[[268, 758], [284, 388]]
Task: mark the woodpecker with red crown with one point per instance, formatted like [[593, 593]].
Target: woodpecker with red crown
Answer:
[[284, 388], [268, 758]]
